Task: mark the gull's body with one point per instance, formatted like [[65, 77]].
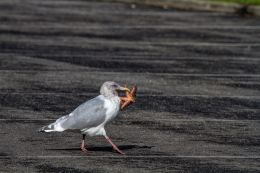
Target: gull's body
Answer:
[[91, 116]]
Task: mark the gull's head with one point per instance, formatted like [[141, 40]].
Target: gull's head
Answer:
[[110, 89]]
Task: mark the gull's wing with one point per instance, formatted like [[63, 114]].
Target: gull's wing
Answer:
[[89, 114]]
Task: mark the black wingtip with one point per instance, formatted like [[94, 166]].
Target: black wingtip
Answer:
[[41, 130]]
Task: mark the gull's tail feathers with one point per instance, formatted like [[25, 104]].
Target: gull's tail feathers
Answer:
[[49, 128], [54, 127]]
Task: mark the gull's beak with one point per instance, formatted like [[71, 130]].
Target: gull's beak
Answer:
[[124, 89]]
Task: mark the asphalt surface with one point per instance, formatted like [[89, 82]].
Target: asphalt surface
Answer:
[[198, 75]]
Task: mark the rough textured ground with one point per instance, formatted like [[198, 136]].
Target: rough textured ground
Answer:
[[198, 75]]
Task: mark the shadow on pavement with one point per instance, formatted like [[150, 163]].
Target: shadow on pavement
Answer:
[[122, 147]]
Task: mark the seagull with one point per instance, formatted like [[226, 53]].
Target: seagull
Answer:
[[91, 116]]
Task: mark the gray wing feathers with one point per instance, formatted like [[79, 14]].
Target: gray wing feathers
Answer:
[[89, 114]]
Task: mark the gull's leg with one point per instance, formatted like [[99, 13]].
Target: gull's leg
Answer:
[[82, 146], [114, 146]]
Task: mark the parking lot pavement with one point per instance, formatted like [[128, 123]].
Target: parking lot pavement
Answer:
[[198, 74]]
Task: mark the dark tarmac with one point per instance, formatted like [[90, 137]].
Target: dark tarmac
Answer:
[[198, 74]]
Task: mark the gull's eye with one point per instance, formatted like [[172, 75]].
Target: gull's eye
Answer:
[[114, 85]]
